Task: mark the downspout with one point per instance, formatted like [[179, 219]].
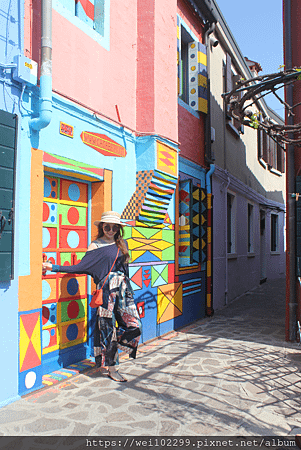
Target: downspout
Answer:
[[209, 283], [46, 69], [208, 154], [226, 241], [291, 303]]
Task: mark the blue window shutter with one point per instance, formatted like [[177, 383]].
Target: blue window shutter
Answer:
[[8, 127], [99, 16]]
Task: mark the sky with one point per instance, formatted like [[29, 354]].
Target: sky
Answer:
[[258, 30]]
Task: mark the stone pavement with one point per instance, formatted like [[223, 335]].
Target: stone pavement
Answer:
[[229, 375]]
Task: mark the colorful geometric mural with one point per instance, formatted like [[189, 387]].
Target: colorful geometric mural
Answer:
[[192, 224], [185, 222], [64, 296], [151, 198], [103, 144], [30, 341], [67, 166], [151, 244], [169, 302], [167, 159]]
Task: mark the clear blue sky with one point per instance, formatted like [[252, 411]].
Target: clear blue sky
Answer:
[[258, 30]]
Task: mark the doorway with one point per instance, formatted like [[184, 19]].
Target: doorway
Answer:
[[64, 296], [263, 276]]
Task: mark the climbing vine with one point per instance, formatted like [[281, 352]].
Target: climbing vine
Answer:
[[246, 94]]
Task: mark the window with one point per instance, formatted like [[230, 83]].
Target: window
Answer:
[[274, 233], [192, 69], [192, 219], [250, 228], [271, 152], [92, 13], [231, 217], [92, 16], [185, 40], [230, 80], [8, 126]]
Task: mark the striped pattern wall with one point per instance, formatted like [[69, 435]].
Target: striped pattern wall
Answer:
[[192, 286], [157, 198]]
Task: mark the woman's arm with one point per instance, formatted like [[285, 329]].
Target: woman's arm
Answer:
[[84, 266]]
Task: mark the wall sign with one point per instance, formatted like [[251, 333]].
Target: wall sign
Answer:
[[66, 130], [103, 144]]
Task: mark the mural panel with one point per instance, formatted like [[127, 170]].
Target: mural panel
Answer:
[[64, 296]]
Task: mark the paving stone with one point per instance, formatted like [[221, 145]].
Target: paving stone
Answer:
[[111, 431], [118, 417], [141, 410], [146, 424], [7, 416], [114, 400], [81, 429], [70, 405], [45, 425], [86, 392], [80, 415]]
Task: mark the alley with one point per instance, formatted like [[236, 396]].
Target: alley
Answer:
[[230, 375]]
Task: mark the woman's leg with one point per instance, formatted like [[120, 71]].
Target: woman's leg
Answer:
[[105, 343]]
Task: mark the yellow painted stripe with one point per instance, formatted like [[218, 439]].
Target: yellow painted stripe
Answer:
[[64, 202], [202, 58]]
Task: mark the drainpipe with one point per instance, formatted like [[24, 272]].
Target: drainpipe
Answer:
[[46, 69], [208, 154], [208, 176], [226, 241], [290, 188], [209, 283]]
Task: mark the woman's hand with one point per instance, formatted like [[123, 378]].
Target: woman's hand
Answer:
[[46, 266]]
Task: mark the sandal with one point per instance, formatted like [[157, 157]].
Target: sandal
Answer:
[[116, 376]]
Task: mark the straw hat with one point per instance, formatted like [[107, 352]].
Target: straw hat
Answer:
[[109, 217]]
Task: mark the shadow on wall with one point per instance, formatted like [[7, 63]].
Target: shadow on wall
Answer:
[[233, 157]]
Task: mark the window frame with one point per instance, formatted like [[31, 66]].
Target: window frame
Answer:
[[275, 234], [230, 77], [104, 39], [251, 228], [231, 223]]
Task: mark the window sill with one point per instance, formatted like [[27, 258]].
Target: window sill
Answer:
[[188, 108], [276, 172], [263, 163], [251, 255], [233, 130], [232, 255], [275, 253]]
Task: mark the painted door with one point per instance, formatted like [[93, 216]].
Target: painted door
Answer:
[[64, 296]]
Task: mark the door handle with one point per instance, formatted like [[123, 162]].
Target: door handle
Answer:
[[2, 223]]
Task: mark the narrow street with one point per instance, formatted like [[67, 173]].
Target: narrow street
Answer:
[[230, 375]]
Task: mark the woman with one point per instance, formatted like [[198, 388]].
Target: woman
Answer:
[[118, 301]]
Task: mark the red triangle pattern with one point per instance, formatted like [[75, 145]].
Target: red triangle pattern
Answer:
[[29, 322], [137, 278], [31, 359]]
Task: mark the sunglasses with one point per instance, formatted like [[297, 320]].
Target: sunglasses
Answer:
[[114, 228]]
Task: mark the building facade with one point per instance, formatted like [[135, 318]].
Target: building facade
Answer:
[[248, 182], [106, 105], [91, 112]]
